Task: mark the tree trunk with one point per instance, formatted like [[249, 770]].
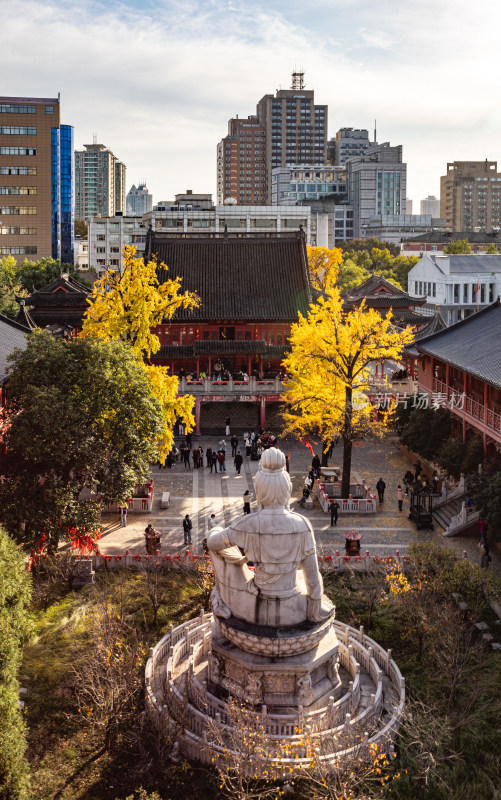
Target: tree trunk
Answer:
[[325, 460], [345, 486], [347, 442]]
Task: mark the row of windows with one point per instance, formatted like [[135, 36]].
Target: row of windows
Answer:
[[8, 210], [18, 189], [18, 170], [17, 130], [26, 250], [18, 151], [15, 108], [14, 230]]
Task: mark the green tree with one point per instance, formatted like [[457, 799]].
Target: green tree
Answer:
[[350, 275], [10, 286], [81, 416], [15, 627], [474, 455], [34, 275], [451, 456], [458, 247], [425, 431], [81, 228], [486, 490], [492, 249], [368, 244]]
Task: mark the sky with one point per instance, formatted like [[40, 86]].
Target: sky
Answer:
[[158, 81]]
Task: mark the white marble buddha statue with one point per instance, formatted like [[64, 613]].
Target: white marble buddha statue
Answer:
[[285, 587]]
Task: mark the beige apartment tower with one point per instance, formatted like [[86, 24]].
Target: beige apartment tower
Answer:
[[99, 182], [470, 195], [31, 139]]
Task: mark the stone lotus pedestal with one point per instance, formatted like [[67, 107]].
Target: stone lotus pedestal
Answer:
[[281, 668]]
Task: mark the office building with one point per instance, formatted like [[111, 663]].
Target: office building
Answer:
[[292, 129], [139, 201], [470, 195], [36, 180], [376, 184], [291, 184], [107, 236], [430, 205], [395, 228], [99, 182], [348, 143]]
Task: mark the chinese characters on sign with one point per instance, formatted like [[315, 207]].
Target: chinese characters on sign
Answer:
[[433, 400]]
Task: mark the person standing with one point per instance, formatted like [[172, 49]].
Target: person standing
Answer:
[[247, 443], [418, 469], [187, 526], [188, 440], [400, 497], [213, 461], [196, 458], [222, 445], [234, 445], [123, 515], [238, 462], [334, 509], [208, 455], [212, 522], [315, 465], [247, 508], [482, 524], [185, 455], [380, 486], [227, 426], [221, 457]]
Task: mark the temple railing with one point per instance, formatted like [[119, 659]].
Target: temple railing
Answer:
[[253, 386]]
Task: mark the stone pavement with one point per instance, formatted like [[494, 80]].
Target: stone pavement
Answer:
[[201, 493]]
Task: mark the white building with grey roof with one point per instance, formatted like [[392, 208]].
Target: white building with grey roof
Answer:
[[457, 285]]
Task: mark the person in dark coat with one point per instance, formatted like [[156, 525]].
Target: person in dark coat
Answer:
[[213, 461], [334, 509], [187, 526], [315, 465], [247, 508], [234, 445], [380, 486], [417, 469], [238, 462], [302, 500], [208, 455]]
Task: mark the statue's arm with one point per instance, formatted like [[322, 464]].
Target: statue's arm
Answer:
[[312, 577], [220, 539]]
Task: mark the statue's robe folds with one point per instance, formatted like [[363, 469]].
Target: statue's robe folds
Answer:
[[285, 587]]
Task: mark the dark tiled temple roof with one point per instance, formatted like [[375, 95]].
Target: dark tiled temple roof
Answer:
[[245, 278], [407, 316], [277, 351], [174, 351], [379, 292], [24, 317], [471, 345], [12, 335], [63, 290], [229, 346]]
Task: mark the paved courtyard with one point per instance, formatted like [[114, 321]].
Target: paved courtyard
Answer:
[[201, 493]]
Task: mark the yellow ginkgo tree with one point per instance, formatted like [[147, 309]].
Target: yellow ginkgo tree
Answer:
[[127, 306], [330, 368], [323, 266]]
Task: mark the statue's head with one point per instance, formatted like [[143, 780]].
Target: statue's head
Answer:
[[272, 481]]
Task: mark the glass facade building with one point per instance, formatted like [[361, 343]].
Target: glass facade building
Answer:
[[62, 176]]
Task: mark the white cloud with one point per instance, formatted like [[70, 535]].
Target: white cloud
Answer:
[[158, 84]]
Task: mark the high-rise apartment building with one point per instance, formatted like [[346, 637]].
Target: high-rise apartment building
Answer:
[[36, 180], [293, 130], [430, 205], [349, 142], [470, 195], [139, 201], [241, 163], [377, 182], [99, 182]]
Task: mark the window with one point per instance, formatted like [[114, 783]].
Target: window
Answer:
[[456, 293], [18, 189], [9, 108], [17, 231], [18, 251], [18, 170], [100, 249], [49, 109], [18, 151], [15, 130], [101, 237], [465, 293], [8, 210], [482, 292]]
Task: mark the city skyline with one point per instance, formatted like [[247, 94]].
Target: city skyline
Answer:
[[158, 84]]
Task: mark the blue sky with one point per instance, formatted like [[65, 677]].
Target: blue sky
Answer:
[[158, 81]]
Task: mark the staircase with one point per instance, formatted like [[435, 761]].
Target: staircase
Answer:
[[444, 512]]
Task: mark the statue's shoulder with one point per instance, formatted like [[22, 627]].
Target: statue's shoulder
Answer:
[[249, 522], [300, 523]]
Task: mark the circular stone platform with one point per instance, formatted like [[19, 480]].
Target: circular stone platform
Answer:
[[366, 715]]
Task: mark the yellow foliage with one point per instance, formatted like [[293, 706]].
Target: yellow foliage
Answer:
[[127, 306], [323, 266]]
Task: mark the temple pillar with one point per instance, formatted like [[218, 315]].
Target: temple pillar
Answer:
[[197, 416], [198, 367], [260, 368], [447, 379], [249, 366], [209, 370], [486, 402], [262, 413]]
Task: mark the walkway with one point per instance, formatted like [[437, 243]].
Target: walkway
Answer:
[[201, 493]]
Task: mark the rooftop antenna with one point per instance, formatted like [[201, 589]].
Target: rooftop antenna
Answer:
[[298, 80], [375, 136]]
